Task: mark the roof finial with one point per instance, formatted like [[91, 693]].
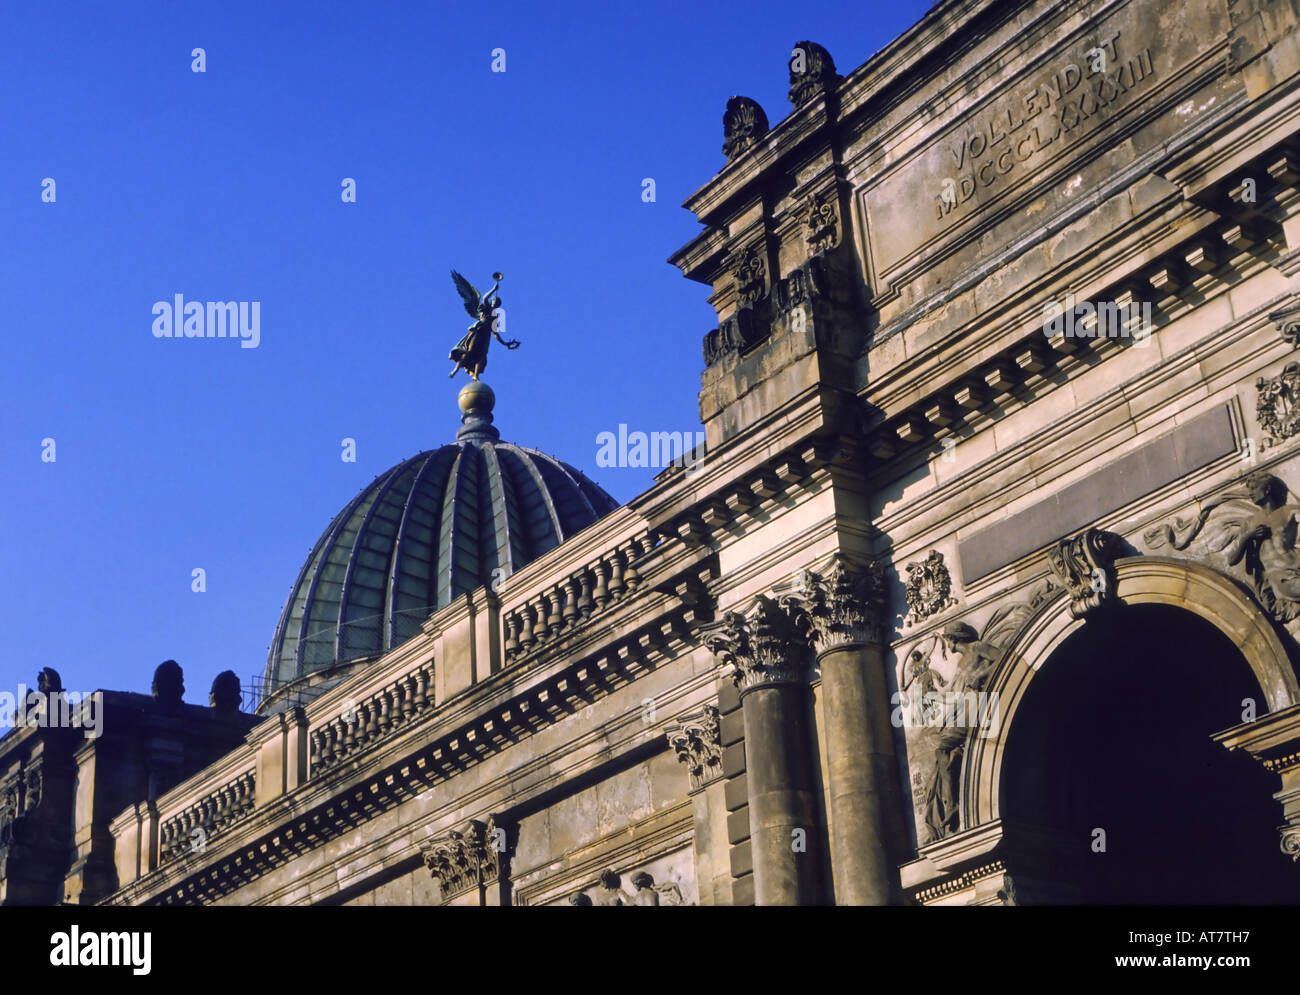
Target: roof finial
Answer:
[[476, 401]]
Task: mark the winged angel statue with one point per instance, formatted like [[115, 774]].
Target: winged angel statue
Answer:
[[471, 351], [1251, 522]]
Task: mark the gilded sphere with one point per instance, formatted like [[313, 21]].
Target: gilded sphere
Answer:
[[476, 396]]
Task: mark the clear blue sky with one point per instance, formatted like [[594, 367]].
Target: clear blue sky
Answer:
[[225, 185]]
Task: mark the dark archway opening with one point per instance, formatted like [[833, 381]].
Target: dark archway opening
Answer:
[[1114, 735]]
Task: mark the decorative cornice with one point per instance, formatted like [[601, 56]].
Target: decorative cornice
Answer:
[[697, 740], [845, 604], [763, 646], [1085, 566]]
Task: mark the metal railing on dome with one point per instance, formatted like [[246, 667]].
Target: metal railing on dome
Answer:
[[356, 640]]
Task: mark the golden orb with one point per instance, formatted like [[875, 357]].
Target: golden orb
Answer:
[[476, 396], [498, 276]]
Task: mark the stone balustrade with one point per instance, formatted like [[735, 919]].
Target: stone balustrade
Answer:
[[563, 607], [362, 724], [194, 828]]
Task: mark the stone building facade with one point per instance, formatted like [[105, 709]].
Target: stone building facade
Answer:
[[985, 589]]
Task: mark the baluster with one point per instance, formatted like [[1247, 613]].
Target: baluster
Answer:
[[554, 620], [616, 585], [570, 613], [526, 637], [405, 692], [631, 576], [601, 594], [512, 633], [585, 605], [421, 689]]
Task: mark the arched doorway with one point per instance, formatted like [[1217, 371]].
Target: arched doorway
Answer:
[[1113, 735]]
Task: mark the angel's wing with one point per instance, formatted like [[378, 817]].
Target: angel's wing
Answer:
[[467, 293]]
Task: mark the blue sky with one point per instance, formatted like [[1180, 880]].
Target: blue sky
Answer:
[[172, 455]]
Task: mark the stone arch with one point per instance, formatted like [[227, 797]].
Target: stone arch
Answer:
[[1184, 584]]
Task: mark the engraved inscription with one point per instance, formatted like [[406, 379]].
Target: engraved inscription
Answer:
[[1074, 95]]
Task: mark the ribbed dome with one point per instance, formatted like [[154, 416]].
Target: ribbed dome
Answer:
[[430, 529]]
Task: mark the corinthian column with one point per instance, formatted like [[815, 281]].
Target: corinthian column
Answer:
[[770, 658], [844, 605]]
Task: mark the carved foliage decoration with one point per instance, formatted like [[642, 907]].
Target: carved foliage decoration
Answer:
[[1288, 323], [929, 588], [743, 124], [750, 272], [464, 859], [697, 741], [1290, 842], [1085, 566], [821, 224], [1253, 528], [845, 604], [764, 645], [812, 71], [1277, 404]]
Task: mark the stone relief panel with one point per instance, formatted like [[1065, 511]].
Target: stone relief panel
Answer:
[[639, 819], [943, 700], [1247, 530], [1048, 124]]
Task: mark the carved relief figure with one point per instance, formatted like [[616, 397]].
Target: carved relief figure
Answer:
[[977, 654], [977, 659], [1252, 523]]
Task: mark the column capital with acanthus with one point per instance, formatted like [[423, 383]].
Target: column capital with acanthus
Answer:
[[845, 603], [764, 645]]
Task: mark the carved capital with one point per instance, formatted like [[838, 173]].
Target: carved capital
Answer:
[[465, 859], [845, 604], [763, 646], [1290, 842], [697, 741], [1085, 565]]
